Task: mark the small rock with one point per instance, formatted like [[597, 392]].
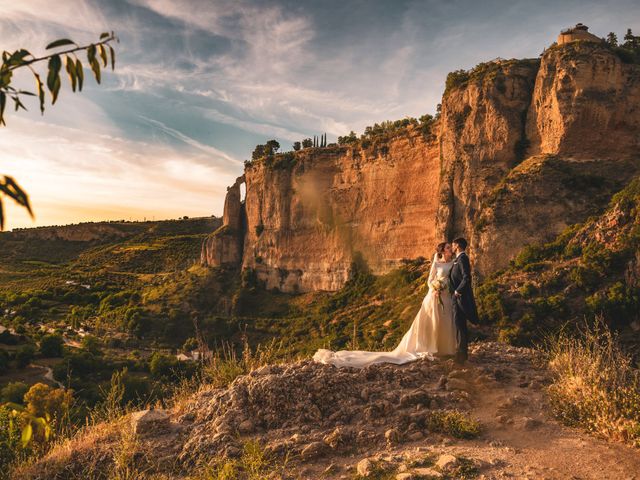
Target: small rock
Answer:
[[331, 469], [365, 467], [427, 473], [150, 421], [314, 449], [392, 435], [442, 383], [232, 451], [529, 423], [414, 398], [246, 426], [458, 384], [405, 476], [446, 461], [415, 436]]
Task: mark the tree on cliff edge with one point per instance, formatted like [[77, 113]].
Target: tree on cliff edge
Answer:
[[23, 59]]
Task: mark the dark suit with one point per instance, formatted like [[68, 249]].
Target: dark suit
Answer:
[[464, 306]]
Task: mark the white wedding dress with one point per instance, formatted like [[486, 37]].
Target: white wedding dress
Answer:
[[432, 332]]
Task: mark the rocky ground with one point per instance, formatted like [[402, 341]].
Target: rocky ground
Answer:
[[383, 421]]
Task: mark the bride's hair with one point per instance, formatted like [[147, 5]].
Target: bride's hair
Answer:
[[440, 249]]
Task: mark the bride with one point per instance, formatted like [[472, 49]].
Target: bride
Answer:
[[432, 332]]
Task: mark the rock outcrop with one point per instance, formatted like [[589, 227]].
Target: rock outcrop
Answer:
[[224, 246], [522, 149]]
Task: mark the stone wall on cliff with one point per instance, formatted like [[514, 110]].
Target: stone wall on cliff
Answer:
[[522, 149], [308, 220]]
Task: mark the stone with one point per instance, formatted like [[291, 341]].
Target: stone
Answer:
[[312, 450], [442, 382], [246, 426], [529, 423], [425, 472], [446, 462], [392, 436], [405, 476], [150, 421], [365, 467], [414, 398], [415, 436], [458, 384]]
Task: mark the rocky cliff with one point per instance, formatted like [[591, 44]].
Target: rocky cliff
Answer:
[[522, 149]]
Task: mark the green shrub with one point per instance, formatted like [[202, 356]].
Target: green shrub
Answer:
[[24, 355], [452, 422], [14, 392], [52, 345]]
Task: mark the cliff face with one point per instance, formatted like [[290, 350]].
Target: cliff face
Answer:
[[521, 150], [224, 246], [306, 222]]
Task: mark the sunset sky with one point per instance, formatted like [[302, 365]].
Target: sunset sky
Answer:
[[198, 83]]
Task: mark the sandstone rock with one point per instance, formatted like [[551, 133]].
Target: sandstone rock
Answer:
[[405, 476], [415, 436], [458, 384], [150, 421], [312, 450], [429, 473], [529, 423], [246, 426], [446, 462], [414, 398], [392, 436], [365, 467]]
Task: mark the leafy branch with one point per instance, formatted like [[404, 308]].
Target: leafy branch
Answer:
[[99, 52]]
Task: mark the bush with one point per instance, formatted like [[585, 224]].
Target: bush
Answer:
[[452, 422], [52, 345], [595, 383], [24, 355], [14, 392]]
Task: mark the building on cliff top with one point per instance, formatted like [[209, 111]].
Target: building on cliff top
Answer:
[[579, 32]]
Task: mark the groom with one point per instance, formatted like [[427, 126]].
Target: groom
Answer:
[[464, 305]]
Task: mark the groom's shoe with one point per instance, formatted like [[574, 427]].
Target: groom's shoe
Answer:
[[460, 358]]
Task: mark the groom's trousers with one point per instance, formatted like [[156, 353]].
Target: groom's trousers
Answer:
[[460, 321]]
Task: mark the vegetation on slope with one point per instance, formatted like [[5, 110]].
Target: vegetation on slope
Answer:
[[590, 269]]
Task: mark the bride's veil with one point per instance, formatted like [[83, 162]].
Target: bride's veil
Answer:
[[433, 268]]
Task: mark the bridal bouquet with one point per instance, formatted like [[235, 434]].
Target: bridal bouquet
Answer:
[[438, 285]]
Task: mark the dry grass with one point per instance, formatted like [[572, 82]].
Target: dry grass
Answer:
[[596, 385], [253, 464]]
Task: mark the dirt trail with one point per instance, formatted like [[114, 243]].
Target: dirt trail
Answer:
[[523, 441]]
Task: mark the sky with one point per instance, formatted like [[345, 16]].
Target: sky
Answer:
[[198, 83]]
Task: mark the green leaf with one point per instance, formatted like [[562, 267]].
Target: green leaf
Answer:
[[18, 103], [18, 57], [27, 433], [79, 74], [3, 103], [60, 43], [103, 54], [95, 66], [13, 190], [91, 53], [53, 78], [71, 70], [40, 92], [104, 35], [113, 57]]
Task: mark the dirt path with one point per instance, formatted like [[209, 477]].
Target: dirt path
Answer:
[[523, 441]]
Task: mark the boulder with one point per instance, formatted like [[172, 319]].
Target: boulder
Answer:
[[150, 421], [365, 467], [312, 450], [446, 462]]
